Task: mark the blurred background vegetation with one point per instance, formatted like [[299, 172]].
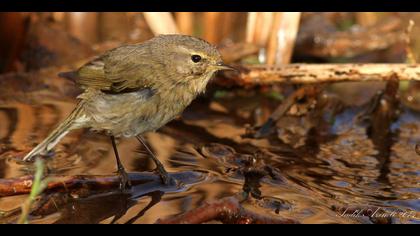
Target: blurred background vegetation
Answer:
[[30, 41]]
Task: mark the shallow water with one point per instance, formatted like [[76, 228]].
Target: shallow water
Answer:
[[341, 168]]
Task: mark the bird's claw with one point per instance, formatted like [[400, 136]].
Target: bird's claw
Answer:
[[125, 182], [165, 177]]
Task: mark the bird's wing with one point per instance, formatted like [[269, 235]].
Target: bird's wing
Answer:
[[122, 69]]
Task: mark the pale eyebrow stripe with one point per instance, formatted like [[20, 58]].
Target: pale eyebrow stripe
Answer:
[[186, 50]]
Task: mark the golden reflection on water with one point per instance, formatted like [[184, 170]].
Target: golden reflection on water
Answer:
[[342, 171]]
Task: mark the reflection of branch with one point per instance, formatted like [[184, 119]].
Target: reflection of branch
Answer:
[[284, 107], [321, 73], [384, 112], [23, 185], [227, 210]]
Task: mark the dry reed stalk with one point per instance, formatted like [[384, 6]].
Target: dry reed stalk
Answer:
[[282, 37], [185, 22], [263, 25], [250, 27], [273, 41], [161, 22], [366, 19], [83, 25], [411, 58], [226, 24], [59, 16], [212, 22]]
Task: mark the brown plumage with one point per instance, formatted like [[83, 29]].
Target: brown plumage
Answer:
[[137, 88]]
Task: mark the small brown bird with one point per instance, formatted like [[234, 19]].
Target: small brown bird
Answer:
[[138, 88]]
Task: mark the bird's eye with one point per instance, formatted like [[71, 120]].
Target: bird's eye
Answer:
[[196, 58]]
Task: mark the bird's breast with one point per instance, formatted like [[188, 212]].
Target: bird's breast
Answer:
[[134, 113]]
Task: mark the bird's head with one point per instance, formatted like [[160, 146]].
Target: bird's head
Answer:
[[189, 60]]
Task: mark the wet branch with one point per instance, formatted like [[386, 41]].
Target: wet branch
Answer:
[[323, 73], [227, 210], [23, 185]]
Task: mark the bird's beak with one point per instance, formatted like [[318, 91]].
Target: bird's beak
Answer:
[[222, 66]]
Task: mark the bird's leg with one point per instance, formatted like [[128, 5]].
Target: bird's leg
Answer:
[[159, 166], [125, 181]]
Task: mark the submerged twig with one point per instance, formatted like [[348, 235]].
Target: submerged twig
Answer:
[[227, 210]]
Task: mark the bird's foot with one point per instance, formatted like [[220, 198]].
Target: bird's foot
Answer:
[[125, 183], [165, 177]]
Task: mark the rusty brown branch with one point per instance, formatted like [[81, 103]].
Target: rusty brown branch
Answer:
[[227, 210], [22, 185]]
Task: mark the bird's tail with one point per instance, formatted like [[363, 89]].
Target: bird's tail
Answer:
[[70, 123]]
